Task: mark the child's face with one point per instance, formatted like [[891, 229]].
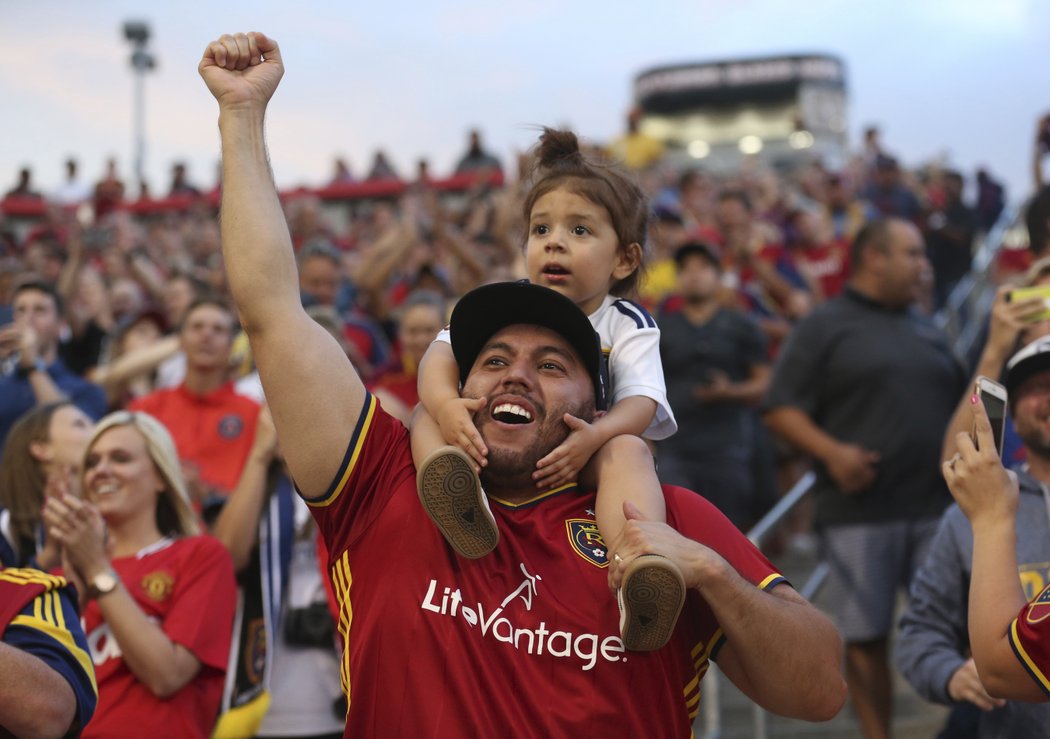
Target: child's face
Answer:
[[572, 248]]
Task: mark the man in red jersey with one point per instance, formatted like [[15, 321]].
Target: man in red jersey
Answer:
[[523, 642], [213, 426]]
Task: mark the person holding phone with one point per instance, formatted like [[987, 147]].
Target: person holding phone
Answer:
[[1018, 317], [933, 649], [38, 375], [1009, 634]]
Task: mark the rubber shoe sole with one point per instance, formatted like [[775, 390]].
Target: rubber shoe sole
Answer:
[[451, 494], [650, 598]]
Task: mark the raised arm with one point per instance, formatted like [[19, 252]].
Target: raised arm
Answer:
[[24, 339], [438, 384], [237, 525], [988, 495], [1007, 321], [311, 388], [128, 366]]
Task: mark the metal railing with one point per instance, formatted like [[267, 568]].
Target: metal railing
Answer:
[[759, 533], [970, 301], [768, 523]]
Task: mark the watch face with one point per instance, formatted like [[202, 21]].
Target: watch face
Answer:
[[104, 582]]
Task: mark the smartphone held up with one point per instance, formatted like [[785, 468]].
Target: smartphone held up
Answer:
[[1042, 292], [993, 397]]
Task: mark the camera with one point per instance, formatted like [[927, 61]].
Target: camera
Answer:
[[309, 627]]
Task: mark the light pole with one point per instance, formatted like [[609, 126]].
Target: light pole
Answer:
[[142, 61]]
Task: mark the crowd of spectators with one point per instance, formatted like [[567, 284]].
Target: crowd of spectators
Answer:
[[115, 302]]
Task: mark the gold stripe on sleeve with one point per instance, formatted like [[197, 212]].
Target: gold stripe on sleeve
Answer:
[[769, 579], [60, 616], [26, 576], [341, 583], [358, 442], [1026, 659], [63, 637]]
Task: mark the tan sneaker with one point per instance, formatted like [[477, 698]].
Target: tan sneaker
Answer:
[[650, 599], [451, 493]]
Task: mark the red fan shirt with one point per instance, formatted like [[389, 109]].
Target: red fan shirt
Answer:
[[187, 587], [523, 642]]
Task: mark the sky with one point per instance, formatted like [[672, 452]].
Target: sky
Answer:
[[959, 79]]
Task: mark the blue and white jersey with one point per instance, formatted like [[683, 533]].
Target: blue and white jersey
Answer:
[[631, 345]]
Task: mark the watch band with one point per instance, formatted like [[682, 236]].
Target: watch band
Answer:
[[39, 365]]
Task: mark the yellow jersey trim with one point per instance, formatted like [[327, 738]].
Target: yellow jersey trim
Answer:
[[45, 621], [342, 581], [357, 442], [537, 499], [1026, 659]]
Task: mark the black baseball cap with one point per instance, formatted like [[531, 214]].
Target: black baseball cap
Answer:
[[485, 310], [697, 249], [1029, 361]]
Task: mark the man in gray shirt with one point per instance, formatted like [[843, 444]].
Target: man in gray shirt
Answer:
[[865, 385]]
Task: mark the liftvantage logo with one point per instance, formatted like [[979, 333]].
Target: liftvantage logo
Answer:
[[587, 648]]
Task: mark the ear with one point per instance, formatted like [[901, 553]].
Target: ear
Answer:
[[872, 259], [41, 451], [627, 261]]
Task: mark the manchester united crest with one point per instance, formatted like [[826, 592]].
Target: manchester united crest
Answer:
[[158, 585], [587, 541]]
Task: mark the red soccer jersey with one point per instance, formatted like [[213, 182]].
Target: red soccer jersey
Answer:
[[1030, 638], [826, 264], [523, 642], [401, 384], [214, 431], [187, 586]]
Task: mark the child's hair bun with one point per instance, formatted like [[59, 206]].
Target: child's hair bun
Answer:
[[559, 151]]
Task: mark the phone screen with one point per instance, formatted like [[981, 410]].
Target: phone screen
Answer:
[[996, 410], [1039, 291]]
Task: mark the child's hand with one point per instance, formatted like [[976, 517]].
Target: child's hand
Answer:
[[456, 420], [564, 463]]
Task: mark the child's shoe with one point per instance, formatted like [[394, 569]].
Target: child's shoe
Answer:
[[650, 597], [451, 493]]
